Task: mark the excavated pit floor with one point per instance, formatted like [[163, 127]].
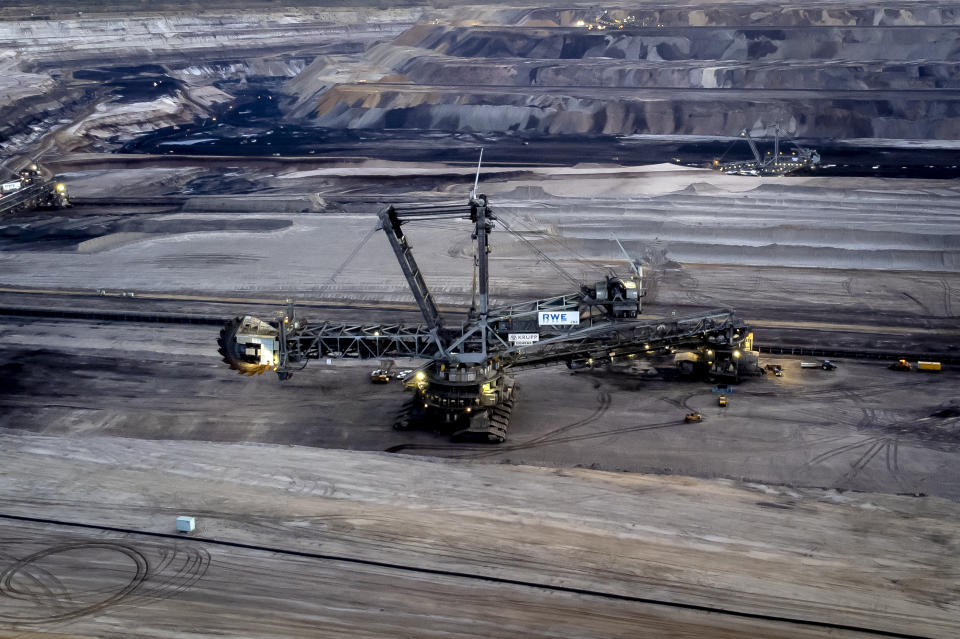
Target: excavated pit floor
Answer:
[[862, 427], [828, 262], [828, 497], [293, 542]]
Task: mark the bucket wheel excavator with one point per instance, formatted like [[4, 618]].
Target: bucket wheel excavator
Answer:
[[30, 189], [465, 389], [777, 164]]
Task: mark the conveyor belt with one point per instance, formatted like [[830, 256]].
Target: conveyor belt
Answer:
[[21, 198], [209, 320]]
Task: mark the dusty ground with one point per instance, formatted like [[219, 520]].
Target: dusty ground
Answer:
[[124, 410], [876, 562], [828, 262], [836, 254], [820, 503], [861, 427]]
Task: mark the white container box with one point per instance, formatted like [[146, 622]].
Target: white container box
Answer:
[[186, 524]]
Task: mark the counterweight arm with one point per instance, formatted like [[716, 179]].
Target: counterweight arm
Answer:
[[753, 147], [390, 222]]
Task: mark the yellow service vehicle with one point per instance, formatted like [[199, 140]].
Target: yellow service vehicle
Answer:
[[901, 365], [380, 376]]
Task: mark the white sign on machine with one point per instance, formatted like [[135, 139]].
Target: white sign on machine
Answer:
[[558, 318], [265, 350], [523, 339]]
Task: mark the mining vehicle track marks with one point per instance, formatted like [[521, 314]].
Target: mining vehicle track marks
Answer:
[[947, 295], [22, 568], [479, 577], [158, 572]]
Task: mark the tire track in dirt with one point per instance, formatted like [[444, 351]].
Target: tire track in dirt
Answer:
[[947, 298], [11, 577], [143, 573], [603, 405]]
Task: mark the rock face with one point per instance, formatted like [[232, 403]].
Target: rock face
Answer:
[[151, 37], [766, 13], [842, 72], [655, 111], [76, 80], [97, 80]]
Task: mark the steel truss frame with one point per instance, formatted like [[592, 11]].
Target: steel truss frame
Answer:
[[337, 340]]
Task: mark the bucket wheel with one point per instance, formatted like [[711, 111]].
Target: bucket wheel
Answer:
[[234, 354]]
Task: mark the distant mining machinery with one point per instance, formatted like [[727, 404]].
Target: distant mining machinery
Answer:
[[773, 163], [31, 191], [465, 388]]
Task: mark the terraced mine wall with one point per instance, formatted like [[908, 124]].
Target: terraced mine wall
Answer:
[[816, 80], [655, 112], [80, 76], [765, 14], [114, 74]]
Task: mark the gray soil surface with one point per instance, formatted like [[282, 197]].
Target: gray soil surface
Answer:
[[223, 157], [365, 544], [811, 262], [793, 256], [862, 427]]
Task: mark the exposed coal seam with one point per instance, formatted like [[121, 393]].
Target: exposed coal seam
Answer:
[[475, 577]]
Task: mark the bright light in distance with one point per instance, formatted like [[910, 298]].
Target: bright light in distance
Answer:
[[736, 353], [421, 375], [61, 188]]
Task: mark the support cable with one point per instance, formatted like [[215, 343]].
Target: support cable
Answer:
[[343, 265], [540, 252]]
